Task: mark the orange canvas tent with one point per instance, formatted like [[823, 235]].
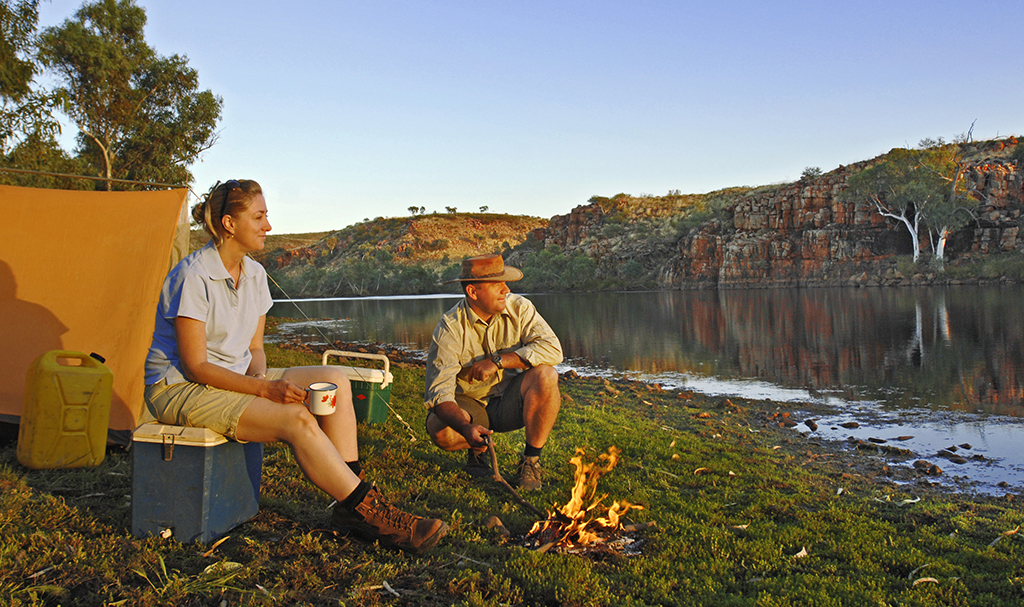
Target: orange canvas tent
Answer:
[[82, 271]]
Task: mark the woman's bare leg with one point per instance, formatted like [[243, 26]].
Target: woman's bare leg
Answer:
[[340, 426], [321, 446]]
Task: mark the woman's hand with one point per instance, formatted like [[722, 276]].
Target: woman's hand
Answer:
[[284, 391]]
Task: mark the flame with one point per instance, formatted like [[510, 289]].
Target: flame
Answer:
[[579, 522]]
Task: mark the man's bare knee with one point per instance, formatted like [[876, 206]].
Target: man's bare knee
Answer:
[[541, 380], [444, 436]]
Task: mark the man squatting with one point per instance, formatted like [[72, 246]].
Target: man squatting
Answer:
[[490, 368]]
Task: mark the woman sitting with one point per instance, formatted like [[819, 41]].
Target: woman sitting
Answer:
[[207, 368]]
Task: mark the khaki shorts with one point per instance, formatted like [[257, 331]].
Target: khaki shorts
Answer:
[[502, 413], [199, 405]]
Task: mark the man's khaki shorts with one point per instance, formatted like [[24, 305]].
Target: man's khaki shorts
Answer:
[[199, 405], [503, 413]]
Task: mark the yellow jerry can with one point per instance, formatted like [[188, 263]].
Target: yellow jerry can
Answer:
[[66, 413]]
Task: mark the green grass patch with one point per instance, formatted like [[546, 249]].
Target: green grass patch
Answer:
[[1010, 265], [747, 513]]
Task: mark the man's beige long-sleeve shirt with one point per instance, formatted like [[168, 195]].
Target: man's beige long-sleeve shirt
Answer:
[[461, 338]]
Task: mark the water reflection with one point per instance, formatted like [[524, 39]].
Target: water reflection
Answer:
[[949, 348], [408, 321], [884, 357]]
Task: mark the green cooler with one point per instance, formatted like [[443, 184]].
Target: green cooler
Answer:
[[371, 388]]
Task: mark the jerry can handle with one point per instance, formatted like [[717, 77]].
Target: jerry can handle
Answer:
[[86, 360]]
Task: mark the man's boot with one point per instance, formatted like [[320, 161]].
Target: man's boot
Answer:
[[375, 519], [528, 474], [478, 464]]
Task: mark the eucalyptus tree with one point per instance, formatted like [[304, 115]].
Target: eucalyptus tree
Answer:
[[28, 128], [139, 115], [23, 110], [924, 189], [18, 20], [948, 164]]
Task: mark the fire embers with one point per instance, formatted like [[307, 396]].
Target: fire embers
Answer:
[[582, 524]]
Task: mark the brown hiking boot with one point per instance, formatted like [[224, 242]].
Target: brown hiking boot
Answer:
[[375, 519], [478, 465], [528, 473]]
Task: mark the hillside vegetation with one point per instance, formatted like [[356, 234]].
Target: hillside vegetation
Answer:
[[731, 237], [397, 255]]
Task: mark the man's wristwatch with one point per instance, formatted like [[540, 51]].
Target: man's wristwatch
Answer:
[[496, 359]]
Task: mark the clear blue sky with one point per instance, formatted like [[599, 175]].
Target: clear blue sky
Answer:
[[350, 110]]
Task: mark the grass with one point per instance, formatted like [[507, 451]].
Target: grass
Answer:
[[738, 500]]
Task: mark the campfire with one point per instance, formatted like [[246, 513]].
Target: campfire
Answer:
[[582, 524]]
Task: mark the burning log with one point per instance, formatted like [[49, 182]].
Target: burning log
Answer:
[[582, 522]]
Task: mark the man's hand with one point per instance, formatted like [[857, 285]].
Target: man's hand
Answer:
[[482, 370], [451, 428], [474, 435]]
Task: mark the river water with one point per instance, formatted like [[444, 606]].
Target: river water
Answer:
[[943, 365]]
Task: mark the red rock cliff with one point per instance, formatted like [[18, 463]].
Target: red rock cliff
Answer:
[[802, 233]]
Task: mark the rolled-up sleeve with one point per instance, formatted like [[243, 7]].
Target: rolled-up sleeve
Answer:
[[442, 363], [540, 345]]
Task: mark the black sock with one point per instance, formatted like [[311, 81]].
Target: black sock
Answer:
[[355, 466], [357, 495], [532, 451]]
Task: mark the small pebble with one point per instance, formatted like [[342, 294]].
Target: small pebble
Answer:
[[493, 522]]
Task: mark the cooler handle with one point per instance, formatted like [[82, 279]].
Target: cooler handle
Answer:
[[381, 357]]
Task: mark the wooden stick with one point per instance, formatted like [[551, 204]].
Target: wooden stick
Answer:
[[501, 479]]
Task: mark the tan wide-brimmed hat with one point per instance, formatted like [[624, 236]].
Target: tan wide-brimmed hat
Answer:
[[487, 268]]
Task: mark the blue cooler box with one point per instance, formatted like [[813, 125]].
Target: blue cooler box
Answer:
[[192, 481], [371, 388]]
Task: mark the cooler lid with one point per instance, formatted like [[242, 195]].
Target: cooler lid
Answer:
[[182, 436]]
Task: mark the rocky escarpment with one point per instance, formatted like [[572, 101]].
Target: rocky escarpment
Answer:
[[797, 234]]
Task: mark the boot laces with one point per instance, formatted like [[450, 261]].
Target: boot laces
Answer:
[[393, 516]]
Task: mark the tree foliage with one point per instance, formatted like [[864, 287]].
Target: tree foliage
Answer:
[[376, 273], [924, 189], [18, 20], [552, 269], [25, 114], [28, 129], [140, 116], [810, 173]]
